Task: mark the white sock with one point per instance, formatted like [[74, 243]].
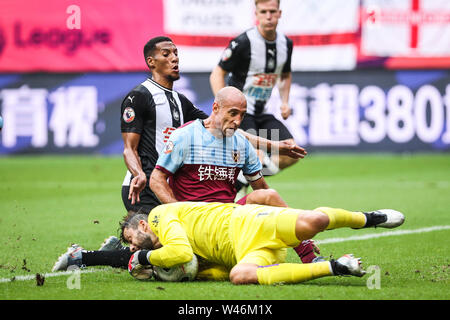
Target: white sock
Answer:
[[270, 167], [242, 179]]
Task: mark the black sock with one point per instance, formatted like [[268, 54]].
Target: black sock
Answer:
[[113, 258], [338, 269], [374, 218]]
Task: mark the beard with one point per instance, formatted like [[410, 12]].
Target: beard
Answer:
[[145, 242]]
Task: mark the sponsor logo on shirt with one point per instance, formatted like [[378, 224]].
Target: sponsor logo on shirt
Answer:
[[214, 173], [167, 132], [155, 220], [267, 80]]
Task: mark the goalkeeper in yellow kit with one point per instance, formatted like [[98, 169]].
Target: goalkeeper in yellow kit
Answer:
[[246, 242]]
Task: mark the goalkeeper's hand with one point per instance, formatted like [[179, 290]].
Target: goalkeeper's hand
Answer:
[[138, 259]]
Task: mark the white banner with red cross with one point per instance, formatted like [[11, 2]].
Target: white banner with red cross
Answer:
[[409, 33]]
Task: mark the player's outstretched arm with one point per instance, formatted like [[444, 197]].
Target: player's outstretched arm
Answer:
[[284, 147], [287, 148]]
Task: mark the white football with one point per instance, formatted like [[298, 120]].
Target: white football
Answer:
[[142, 272], [185, 272]]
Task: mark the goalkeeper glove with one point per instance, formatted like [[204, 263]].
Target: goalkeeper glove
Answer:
[[138, 259]]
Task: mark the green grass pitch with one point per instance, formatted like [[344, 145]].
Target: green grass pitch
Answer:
[[49, 202]]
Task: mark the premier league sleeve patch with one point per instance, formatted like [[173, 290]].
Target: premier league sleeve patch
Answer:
[[227, 54], [128, 114], [169, 147]]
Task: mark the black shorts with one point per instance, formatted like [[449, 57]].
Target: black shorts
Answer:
[[148, 200], [265, 126]]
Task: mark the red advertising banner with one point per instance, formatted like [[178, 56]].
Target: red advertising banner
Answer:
[[82, 35]]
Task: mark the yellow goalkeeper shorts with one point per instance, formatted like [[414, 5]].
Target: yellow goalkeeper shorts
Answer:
[[261, 234]]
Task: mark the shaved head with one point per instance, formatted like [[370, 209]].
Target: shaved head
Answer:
[[228, 110], [230, 96]]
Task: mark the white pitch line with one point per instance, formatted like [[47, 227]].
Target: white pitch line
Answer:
[[383, 234], [49, 275], [324, 241]]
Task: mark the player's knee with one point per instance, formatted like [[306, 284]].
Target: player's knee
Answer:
[[309, 223], [271, 194], [267, 197], [319, 221], [237, 278], [243, 275]]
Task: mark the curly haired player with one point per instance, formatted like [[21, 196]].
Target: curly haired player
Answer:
[[248, 241]]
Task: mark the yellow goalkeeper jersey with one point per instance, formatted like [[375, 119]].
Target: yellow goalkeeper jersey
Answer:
[[222, 233], [184, 228]]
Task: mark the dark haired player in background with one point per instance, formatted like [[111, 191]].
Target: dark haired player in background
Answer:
[[150, 113]]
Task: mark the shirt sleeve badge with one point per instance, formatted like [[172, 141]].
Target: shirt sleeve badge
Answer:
[[169, 147], [128, 115]]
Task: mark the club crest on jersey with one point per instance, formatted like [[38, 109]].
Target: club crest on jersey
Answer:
[[169, 147], [128, 115], [236, 155], [176, 115]]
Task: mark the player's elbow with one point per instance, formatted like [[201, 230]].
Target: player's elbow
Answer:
[[126, 153], [185, 255]]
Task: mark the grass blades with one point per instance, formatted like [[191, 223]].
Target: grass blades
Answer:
[[49, 202]]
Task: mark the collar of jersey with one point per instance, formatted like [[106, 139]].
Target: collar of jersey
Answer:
[[158, 85], [264, 39]]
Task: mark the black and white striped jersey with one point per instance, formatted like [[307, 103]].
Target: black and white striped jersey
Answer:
[[154, 111], [255, 65]]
